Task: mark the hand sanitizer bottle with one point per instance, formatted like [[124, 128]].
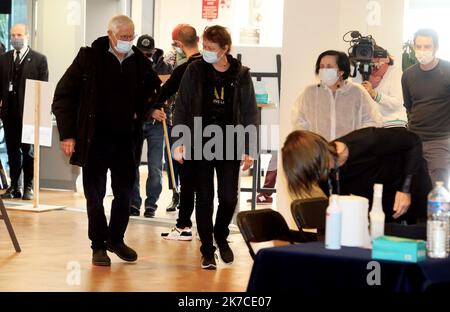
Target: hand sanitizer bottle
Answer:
[[333, 224]]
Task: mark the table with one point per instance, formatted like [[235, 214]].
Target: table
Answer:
[[310, 268]]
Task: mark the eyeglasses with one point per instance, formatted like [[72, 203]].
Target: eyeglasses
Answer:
[[125, 37]]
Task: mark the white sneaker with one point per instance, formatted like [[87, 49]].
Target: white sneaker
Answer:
[[178, 234]]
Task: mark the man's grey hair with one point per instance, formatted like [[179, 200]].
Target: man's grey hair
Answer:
[[118, 21]]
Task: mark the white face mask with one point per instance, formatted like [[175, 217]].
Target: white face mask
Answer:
[[328, 76], [424, 57]]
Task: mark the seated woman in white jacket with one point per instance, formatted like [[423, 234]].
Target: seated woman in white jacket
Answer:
[[335, 106], [385, 88]]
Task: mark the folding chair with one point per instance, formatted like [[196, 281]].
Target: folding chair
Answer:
[[310, 213], [264, 225], [5, 218]]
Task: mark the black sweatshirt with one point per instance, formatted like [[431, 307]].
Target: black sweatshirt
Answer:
[[170, 87], [387, 156], [426, 97]]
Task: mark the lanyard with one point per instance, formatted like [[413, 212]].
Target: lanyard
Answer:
[[22, 57]]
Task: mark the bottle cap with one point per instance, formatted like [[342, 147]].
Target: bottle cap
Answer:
[[439, 183], [334, 199]]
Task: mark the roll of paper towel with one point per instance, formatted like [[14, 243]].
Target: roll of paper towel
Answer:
[[354, 229]]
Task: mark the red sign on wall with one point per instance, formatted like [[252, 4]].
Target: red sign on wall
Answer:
[[210, 9]]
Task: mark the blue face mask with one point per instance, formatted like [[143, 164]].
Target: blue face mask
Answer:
[[124, 46], [210, 56]]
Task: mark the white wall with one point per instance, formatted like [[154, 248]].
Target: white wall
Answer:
[[311, 27], [60, 33], [169, 13], [142, 15], [98, 13]]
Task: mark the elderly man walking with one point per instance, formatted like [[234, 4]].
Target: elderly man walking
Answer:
[[98, 102]]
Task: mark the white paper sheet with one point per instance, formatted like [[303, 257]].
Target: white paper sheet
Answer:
[[46, 99]]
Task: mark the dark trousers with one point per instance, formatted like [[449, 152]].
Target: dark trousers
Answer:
[[20, 156], [118, 156], [187, 193], [227, 189]]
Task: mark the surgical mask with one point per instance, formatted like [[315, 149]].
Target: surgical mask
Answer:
[[18, 43], [210, 57], [179, 51], [424, 57], [124, 46], [328, 76]]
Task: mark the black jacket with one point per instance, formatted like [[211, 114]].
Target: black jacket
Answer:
[[392, 157], [194, 84], [77, 95], [171, 86], [34, 67]]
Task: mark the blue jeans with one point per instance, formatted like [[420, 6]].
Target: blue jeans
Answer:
[[154, 135]]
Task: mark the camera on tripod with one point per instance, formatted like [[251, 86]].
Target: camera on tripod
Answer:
[[361, 52]]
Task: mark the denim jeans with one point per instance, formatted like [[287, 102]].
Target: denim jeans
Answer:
[[154, 135]]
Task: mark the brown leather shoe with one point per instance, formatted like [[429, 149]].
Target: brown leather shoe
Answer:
[[100, 257], [122, 251]]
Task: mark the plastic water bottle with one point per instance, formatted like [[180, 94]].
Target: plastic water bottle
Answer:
[[333, 224], [376, 215], [438, 222]]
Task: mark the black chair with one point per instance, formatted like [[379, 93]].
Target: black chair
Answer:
[[310, 213], [264, 225]]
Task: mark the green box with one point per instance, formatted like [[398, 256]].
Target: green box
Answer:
[[399, 249], [262, 98]]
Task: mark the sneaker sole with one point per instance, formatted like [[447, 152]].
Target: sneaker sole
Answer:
[[180, 238], [123, 258], [224, 262], [209, 267]]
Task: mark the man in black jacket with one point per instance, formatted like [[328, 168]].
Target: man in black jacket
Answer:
[[98, 102], [16, 66], [185, 41]]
